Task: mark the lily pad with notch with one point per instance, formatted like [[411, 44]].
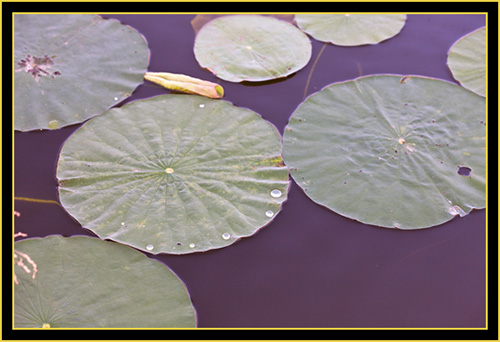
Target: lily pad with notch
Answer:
[[84, 282], [394, 151], [69, 68], [174, 174]]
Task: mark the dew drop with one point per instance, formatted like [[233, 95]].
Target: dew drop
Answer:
[[269, 213], [192, 245], [116, 99], [276, 193], [226, 236], [202, 105], [123, 223], [150, 247]]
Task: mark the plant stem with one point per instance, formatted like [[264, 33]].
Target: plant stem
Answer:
[[28, 199], [312, 69]]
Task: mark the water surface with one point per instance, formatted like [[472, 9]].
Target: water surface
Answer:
[[310, 267]]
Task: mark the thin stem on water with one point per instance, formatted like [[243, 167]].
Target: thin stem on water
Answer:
[[312, 69], [28, 199]]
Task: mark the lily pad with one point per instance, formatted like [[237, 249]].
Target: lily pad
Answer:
[[84, 282], [201, 19], [390, 150], [467, 61], [69, 68], [174, 174], [251, 48], [351, 29]]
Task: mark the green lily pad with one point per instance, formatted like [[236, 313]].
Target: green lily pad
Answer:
[[201, 19], [467, 61], [351, 29], [84, 282], [392, 151], [174, 174], [251, 48], [68, 68]]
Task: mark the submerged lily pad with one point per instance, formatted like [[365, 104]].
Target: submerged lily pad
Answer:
[[84, 282], [391, 151], [351, 29], [174, 174], [467, 61], [69, 68], [251, 48]]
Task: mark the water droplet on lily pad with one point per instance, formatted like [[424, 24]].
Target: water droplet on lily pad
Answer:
[[226, 236], [226, 161], [276, 193]]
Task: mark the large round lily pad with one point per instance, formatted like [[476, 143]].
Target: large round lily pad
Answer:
[[84, 282], [351, 29], [392, 151], [467, 61], [251, 48], [69, 68], [174, 174]]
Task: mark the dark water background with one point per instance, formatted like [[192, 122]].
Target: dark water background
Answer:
[[310, 267]]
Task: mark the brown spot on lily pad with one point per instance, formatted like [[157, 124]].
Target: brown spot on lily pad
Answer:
[[38, 66]]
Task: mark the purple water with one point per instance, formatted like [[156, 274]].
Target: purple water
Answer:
[[310, 267]]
